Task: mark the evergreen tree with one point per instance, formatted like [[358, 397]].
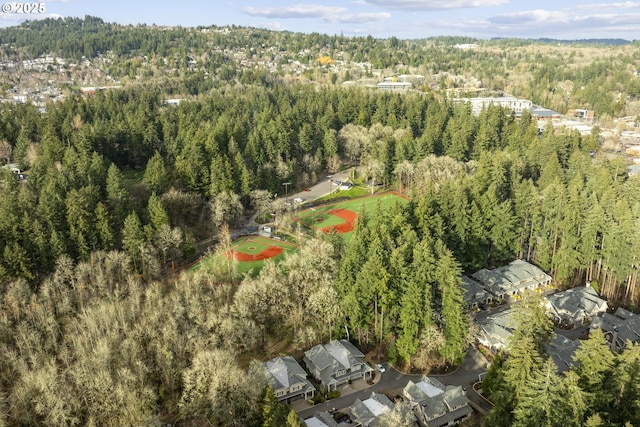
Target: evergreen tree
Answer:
[[156, 175], [593, 364], [455, 327]]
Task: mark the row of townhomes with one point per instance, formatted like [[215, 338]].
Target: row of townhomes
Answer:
[[568, 309], [511, 281]]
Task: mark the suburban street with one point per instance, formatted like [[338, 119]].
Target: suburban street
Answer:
[[392, 382]]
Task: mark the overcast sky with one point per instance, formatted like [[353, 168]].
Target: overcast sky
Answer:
[[405, 19]]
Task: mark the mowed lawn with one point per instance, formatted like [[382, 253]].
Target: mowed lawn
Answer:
[[247, 247], [318, 218]]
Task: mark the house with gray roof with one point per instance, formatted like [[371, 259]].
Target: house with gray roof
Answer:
[[515, 278], [287, 379], [474, 293], [321, 419], [561, 350], [496, 329], [619, 327], [575, 306], [436, 405], [366, 412], [336, 363]]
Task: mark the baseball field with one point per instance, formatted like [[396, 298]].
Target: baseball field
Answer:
[[248, 254]]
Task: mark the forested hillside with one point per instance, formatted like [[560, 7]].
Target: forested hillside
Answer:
[[95, 331], [561, 76]]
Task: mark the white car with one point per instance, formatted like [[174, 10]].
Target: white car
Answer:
[[380, 368]]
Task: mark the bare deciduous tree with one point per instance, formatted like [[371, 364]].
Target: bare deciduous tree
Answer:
[[5, 152]]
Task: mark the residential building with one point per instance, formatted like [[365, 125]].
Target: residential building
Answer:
[[365, 413], [474, 293], [513, 279], [436, 405], [288, 379], [496, 329], [321, 419], [575, 306], [561, 350], [619, 327], [336, 363]]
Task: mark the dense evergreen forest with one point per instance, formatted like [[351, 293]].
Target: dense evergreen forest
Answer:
[[94, 331]]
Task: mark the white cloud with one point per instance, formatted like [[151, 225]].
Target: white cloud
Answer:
[[546, 17], [550, 23], [11, 19], [332, 14], [358, 18], [613, 6], [295, 11], [416, 5]]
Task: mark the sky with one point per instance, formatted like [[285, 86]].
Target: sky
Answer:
[[404, 19]]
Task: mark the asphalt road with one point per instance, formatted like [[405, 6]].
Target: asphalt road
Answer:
[[392, 382], [321, 188]]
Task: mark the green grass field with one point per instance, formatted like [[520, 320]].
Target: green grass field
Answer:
[[218, 262], [317, 218], [312, 219]]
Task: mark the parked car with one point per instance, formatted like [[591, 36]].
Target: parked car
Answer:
[[380, 368]]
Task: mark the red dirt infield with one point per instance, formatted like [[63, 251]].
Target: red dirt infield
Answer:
[[270, 252], [349, 218]]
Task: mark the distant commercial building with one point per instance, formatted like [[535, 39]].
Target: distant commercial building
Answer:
[[515, 105], [394, 86]]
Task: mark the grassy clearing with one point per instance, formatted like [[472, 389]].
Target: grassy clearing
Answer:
[[352, 193], [309, 217], [218, 263]]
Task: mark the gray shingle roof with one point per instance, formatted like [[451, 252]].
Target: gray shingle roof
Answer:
[[515, 276], [623, 324], [321, 419], [438, 404], [328, 359], [497, 328], [283, 372], [366, 412], [474, 292], [575, 304]]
